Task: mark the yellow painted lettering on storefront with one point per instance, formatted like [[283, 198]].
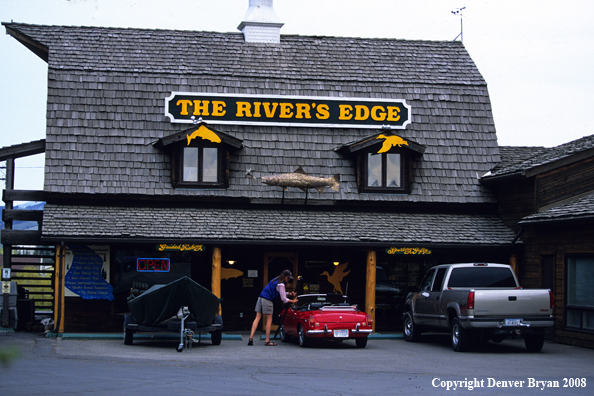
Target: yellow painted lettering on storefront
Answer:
[[285, 110], [184, 103], [345, 112], [393, 113], [218, 108], [323, 112], [257, 109], [302, 110], [201, 107], [268, 111], [361, 112], [378, 113], [243, 109]]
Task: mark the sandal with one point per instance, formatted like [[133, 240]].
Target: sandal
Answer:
[[269, 343], [251, 341]]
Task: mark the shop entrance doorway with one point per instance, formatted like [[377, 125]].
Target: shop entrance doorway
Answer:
[[274, 264]]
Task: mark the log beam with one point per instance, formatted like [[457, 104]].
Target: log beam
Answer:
[[216, 274], [370, 287]]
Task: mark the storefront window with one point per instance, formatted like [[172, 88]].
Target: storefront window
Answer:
[[136, 270], [580, 299]]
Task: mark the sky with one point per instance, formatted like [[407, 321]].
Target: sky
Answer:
[[537, 56]]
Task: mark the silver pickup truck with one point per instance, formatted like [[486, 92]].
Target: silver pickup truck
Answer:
[[478, 302]]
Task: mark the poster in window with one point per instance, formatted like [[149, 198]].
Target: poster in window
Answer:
[[87, 272]]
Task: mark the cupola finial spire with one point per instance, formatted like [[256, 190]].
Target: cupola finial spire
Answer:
[[260, 24]]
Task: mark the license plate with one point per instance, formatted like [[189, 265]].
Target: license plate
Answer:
[[341, 333], [512, 322]]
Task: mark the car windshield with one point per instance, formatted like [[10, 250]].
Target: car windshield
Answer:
[[321, 299]]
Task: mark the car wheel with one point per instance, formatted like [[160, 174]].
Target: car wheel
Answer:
[[534, 342], [361, 342], [283, 334], [460, 337], [128, 337], [303, 340], [411, 331]]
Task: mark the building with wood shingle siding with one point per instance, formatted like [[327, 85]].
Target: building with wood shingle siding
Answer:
[[404, 127], [547, 196]]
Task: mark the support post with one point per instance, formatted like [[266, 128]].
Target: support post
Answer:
[[7, 255], [370, 288], [216, 274], [513, 261], [59, 289]]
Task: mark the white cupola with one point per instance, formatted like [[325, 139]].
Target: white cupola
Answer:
[[260, 24]]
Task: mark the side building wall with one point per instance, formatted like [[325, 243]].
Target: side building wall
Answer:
[[545, 266]]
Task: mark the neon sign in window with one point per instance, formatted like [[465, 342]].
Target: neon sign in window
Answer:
[[153, 265]]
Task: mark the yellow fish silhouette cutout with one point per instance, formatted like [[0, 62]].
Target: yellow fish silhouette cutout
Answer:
[[228, 273], [204, 133], [391, 141]]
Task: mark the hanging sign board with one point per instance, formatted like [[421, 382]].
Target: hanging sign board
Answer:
[[319, 111], [407, 250]]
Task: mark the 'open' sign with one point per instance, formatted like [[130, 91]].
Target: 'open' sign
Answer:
[[152, 265]]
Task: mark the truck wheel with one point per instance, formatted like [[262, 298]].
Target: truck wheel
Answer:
[[128, 337], [534, 342], [460, 337], [411, 331], [361, 342]]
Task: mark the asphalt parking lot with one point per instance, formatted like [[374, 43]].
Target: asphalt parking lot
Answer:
[[386, 366]]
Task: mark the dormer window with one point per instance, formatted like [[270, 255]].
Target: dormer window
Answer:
[[384, 162], [384, 170], [200, 157], [201, 165]]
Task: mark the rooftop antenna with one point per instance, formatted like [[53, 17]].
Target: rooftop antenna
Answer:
[[458, 11]]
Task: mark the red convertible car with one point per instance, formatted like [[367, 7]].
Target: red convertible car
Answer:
[[324, 317]]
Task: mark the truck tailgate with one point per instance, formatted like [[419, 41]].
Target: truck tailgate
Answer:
[[511, 303]]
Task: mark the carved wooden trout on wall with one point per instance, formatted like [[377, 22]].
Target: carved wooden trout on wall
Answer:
[[300, 179]]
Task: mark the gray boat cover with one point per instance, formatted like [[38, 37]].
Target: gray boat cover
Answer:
[[161, 302]]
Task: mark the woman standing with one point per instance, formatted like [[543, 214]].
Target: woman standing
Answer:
[[265, 305]]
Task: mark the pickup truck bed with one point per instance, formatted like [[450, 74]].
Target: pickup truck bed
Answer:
[[478, 302]]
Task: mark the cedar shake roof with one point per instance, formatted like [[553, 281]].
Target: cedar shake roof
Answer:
[[526, 161], [270, 226], [106, 109], [580, 209]]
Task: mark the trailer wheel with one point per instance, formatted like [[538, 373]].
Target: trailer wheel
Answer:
[[128, 337], [216, 337]]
